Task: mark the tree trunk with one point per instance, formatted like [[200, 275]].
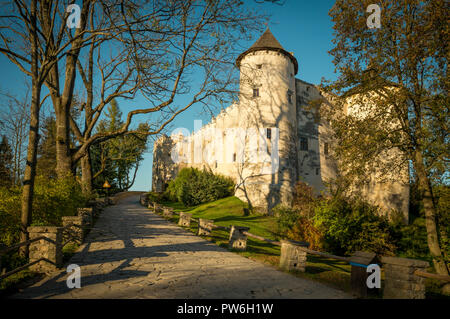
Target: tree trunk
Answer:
[[63, 156], [430, 215], [86, 174], [33, 138]]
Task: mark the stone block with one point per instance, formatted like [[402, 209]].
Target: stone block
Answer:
[[50, 248], [400, 281], [185, 219], [398, 293], [167, 212], [293, 257], [405, 262], [205, 227], [76, 232], [87, 214], [237, 239], [157, 208], [143, 199]]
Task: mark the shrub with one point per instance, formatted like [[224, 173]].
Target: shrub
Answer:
[[304, 199], [286, 218], [155, 197], [10, 200], [304, 230], [351, 225], [411, 240], [291, 224], [193, 187], [52, 200], [55, 198]]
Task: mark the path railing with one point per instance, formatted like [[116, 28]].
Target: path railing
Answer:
[[404, 277], [46, 242]]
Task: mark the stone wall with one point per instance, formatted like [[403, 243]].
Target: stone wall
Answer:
[[49, 248], [400, 280]]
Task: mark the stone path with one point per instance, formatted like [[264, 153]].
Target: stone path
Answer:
[[133, 253]]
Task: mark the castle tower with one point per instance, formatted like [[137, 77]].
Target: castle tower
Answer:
[[267, 91]]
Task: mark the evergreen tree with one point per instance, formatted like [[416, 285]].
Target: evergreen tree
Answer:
[[46, 163], [6, 163], [115, 159]]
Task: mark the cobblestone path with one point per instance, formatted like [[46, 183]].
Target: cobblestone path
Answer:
[[133, 253]]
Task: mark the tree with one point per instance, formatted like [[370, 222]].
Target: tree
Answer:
[[401, 69], [16, 120], [115, 158], [22, 55], [46, 162], [6, 164], [157, 57]]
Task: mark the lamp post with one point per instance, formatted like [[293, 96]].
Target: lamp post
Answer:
[[107, 186]]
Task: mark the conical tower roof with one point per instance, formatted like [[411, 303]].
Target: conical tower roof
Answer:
[[268, 42]]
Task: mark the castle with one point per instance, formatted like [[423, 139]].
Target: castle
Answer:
[[269, 139]]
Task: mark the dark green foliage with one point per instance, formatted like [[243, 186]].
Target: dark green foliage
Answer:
[[193, 187], [293, 224], [52, 200], [286, 218], [6, 163], [411, 240], [117, 160], [349, 226], [156, 197], [46, 162]]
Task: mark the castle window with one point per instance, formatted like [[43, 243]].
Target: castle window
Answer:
[[234, 157], [290, 97], [259, 66], [325, 149], [303, 144], [255, 92], [269, 133], [317, 171], [216, 164]]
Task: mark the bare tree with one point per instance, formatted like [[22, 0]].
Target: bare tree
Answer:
[[16, 120], [157, 58]]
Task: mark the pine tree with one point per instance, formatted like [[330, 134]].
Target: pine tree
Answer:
[[6, 163], [46, 163]]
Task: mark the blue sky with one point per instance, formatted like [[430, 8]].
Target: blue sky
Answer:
[[302, 27]]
